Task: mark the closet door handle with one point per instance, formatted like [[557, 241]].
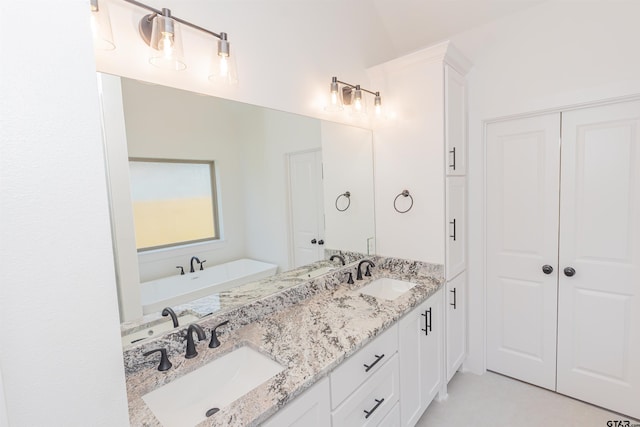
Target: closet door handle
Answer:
[[454, 298], [453, 165], [547, 269], [569, 271], [454, 229]]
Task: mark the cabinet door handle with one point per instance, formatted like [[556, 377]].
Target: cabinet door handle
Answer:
[[454, 229], [453, 165], [427, 322], [454, 298], [372, 410], [547, 269], [378, 358], [569, 271], [314, 241]]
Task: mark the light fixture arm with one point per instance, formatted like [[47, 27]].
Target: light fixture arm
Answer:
[[221, 36], [353, 86]]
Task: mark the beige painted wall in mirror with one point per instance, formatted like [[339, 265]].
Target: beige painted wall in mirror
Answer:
[[250, 146]]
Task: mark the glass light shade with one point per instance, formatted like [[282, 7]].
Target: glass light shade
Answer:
[[101, 26], [377, 104], [358, 103], [223, 65], [335, 97], [166, 44]]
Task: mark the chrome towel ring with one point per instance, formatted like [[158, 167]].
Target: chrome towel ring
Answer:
[[405, 193], [347, 195]]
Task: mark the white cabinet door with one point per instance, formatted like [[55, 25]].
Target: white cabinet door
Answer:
[[420, 334], [599, 306], [456, 324], [310, 409], [456, 119], [307, 211], [522, 179], [456, 231]]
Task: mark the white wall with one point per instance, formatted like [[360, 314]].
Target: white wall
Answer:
[[60, 356], [556, 54], [409, 155]]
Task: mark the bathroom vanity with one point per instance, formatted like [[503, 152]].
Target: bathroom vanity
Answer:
[[341, 347]]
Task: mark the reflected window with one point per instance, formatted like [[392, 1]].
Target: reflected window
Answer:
[[174, 202]]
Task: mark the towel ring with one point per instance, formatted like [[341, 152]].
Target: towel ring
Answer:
[[346, 194], [405, 193]]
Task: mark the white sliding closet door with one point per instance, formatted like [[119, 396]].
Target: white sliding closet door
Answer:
[[599, 306], [522, 236]]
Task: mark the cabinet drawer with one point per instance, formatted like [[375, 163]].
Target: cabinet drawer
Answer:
[[393, 417], [362, 365], [370, 403]]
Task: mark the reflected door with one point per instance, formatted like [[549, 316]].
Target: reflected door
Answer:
[[599, 299], [522, 237], [306, 199]]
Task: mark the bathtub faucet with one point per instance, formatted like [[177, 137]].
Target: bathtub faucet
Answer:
[[194, 258]]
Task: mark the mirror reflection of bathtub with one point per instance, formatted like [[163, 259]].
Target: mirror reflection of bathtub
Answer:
[[180, 289]]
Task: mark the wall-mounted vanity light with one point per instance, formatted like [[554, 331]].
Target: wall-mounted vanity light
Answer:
[[160, 30], [351, 95]]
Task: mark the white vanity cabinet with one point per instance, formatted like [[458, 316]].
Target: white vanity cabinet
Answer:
[[420, 355], [365, 387], [311, 409]]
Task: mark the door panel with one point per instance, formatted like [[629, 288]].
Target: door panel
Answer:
[[457, 224], [305, 189], [522, 167], [599, 307]]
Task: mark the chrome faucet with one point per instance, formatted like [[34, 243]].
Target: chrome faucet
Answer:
[[191, 346], [194, 258], [340, 257], [167, 311], [364, 261]]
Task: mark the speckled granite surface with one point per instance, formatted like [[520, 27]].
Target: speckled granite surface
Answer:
[[309, 329], [228, 300]]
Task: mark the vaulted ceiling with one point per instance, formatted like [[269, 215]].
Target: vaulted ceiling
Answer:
[[412, 24]]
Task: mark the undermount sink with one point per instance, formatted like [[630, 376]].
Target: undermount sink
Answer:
[[187, 400], [386, 288], [161, 327]]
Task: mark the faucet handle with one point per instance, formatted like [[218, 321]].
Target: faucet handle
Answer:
[[165, 364], [215, 342], [202, 264], [368, 271], [350, 280], [181, 269]]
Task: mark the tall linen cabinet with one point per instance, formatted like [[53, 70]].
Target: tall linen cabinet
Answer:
[[420, 146]]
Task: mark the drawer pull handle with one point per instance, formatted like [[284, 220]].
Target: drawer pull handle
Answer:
[[378, 403], [454, 298], [427, 322], [454, 158], [378, 358]]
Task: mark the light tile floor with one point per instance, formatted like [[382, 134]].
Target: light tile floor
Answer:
[[493, 400]]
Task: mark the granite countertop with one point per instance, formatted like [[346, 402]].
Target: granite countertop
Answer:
[[309, 338]]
